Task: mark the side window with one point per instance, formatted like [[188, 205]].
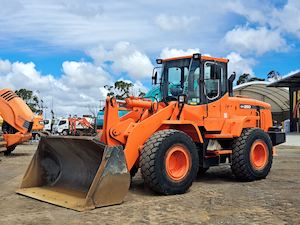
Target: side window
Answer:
[[62, 122], [214, 79], [191, 83], [174, 75]]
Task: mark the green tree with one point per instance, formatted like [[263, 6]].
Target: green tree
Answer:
[[120, 90], [123, 88], [31, 100], [256, 79], [141, 94], [110, 90], [246, 77], [273, 75], [243, 78]]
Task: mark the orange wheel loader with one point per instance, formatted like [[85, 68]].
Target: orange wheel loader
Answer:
[[17, 120], [197, 124]]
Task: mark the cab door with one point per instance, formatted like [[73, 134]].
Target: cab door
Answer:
[[214, 88]]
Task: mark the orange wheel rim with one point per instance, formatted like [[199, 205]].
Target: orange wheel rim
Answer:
[[178, 162], [259, 154]]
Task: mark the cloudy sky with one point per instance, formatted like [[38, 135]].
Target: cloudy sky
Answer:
[[67, 50]]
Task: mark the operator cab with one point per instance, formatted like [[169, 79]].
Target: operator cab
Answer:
[[201, 79]]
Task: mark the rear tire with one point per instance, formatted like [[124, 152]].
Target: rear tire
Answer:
[[9, 150], [201, 171], [252, 155], [169, 162], [8, 129]]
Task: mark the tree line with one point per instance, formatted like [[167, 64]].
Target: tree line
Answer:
[[246, 77]]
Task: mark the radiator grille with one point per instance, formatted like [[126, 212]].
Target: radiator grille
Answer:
[[8, 95], [28, 125]]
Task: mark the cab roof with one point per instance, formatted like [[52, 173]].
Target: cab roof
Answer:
[[203, 57]]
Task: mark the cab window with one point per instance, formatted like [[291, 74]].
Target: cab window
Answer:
[[214, 80], [174, 74], [62, 122], [192, 83]]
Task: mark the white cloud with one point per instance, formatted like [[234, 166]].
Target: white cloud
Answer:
[[125, 58], [83, 74], [288, 18], [175, 23], [5, 66], [79, 88], [258, 41], [236, 64], [178, 28], [90, 9], [255, 11], [285, 19], [239, 64], [83, 24], [173, 52]]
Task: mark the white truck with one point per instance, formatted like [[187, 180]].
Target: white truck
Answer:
[[64, 126], [48, 124]]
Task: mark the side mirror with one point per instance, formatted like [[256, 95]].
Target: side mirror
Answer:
[[230, 83], [232, 77], [154, 78]]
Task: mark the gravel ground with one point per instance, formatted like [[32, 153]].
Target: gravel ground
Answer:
[[215, 198]]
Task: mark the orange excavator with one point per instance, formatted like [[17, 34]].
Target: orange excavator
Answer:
[[197, 124], [17, 120], [83, 123]]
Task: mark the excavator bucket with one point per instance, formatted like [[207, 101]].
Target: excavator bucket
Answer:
[[79, 173]]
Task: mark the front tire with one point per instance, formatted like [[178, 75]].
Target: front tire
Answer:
[[252, 155], [169, 162]]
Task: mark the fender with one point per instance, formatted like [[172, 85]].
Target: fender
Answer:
[[186, 126], [233, 127], [142, 131]]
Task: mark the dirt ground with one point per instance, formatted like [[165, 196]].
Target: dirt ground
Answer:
[[215, 198]]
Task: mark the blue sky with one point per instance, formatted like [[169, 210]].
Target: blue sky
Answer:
[[68, 50]]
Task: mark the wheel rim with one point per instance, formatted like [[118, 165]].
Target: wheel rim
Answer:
[[178, 162], [259, 154]]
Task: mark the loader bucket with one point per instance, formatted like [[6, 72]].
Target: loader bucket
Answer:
[[79, 173]]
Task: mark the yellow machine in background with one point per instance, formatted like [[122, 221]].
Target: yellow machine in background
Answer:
[[38, 126]]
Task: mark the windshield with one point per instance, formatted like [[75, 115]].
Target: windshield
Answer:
[[191, 84], [173, 76]]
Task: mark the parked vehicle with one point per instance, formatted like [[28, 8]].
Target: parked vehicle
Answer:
[[74, 126]]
